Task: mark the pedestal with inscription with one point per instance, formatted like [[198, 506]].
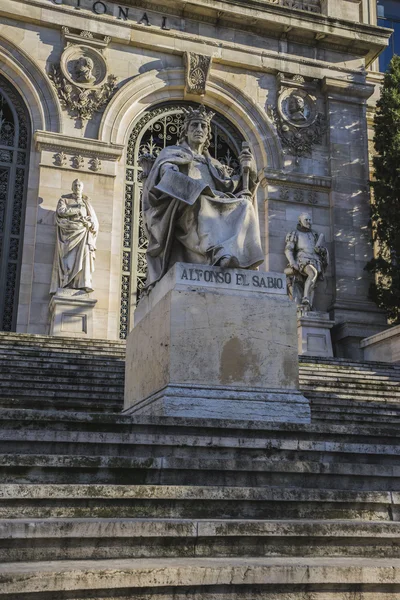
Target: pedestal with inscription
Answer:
[[215, 343], [71, 313]]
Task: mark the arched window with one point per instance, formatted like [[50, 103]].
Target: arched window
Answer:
[[14, 158], [157, 128]]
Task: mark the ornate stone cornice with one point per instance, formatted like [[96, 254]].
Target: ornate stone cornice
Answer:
[[256, 16], [296, 180], [55, 142]]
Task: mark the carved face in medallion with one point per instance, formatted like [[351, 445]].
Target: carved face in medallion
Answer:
[[84, 66], [297, 108]]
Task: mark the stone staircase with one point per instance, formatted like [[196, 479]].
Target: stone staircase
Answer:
[[88, 376], [101, 505], [61, 373]]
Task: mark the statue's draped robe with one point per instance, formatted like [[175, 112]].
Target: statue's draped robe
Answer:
[[214, 227], [75, 245]]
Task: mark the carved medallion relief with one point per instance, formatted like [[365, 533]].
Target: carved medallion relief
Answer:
[[299, 124], [81, 78]]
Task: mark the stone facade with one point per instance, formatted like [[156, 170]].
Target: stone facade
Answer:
[[260, 61]]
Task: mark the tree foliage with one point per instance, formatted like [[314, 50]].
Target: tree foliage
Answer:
[[386, 197]]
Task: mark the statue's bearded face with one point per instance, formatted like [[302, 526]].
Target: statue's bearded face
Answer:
[[77, 187], [306, 221], [197, 132]]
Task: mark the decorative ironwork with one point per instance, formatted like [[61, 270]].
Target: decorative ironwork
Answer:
[[156, 129], [14, 144]]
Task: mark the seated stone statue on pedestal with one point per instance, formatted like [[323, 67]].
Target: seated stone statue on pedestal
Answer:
[[194, 211], [308, 260]]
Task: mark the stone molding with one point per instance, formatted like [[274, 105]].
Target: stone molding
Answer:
[[365, 40], [318, 182], [34, 87], [45, 140], [347, 91], [153, 88]]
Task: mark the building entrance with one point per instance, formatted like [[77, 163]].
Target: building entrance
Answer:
[[14, 158]]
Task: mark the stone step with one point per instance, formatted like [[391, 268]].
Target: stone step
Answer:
[[330, 398], [60, 381], [324, 383], [276, 439], [46, 367], [64, 350], [124, 470], [347, 390], [19, 501], [31, 339], [345, 362], [98, 539], [204, 578], [58, 403], [17, 419]]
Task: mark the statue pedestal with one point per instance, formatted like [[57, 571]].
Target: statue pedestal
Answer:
[[71, 313], [314, 334], [215, 343]]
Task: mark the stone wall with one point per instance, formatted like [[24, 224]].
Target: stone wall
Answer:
[[260, 55]]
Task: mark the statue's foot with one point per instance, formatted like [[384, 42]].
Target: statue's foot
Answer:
[[229, 262]]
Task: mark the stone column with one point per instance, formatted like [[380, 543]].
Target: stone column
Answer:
[[355, 316]]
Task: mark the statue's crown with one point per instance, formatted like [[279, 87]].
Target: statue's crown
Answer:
[[191, 113]]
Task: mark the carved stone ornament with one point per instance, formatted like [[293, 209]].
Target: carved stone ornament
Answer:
[[60, 159], [197, 71], [81, 81], [95, 164], [298, 122], [78, 162]]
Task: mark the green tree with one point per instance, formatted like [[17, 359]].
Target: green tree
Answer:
[[385, 222]]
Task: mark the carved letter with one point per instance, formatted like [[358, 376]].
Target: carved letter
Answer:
[[102, 10], [123, 13], [164, 24], [145, 20]]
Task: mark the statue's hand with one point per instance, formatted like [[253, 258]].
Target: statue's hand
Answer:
[[295, 266], [247, 163], [166, 166]]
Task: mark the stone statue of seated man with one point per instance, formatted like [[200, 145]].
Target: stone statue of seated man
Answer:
[[194, 210], [308, 260]]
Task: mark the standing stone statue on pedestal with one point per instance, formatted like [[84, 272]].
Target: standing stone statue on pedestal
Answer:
[[77, 229], [194, 210], [308, 260], [71, 283]]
